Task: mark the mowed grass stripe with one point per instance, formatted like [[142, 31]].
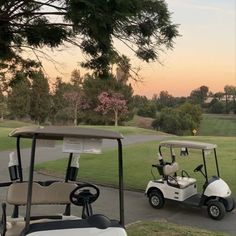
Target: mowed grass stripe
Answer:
[[218, 125]]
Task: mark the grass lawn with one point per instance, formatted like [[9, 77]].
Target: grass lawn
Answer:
[[6, 127], [138, 159], [7, 143], [218, 125], [167, 229]]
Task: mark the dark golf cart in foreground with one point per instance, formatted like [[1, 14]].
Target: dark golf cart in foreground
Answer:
[[31, 192]]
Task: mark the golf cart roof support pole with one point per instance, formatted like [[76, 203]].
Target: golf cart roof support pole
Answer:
[[217, 166], [30, 184], [68, 167], [121, 183], [204, 161], [160, 150], [19, 158]]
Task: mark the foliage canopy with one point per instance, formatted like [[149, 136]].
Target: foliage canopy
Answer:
[[145, 26]]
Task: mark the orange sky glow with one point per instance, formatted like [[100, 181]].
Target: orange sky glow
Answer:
[[205, 54]]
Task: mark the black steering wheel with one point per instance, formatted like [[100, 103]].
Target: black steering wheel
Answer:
[[198, 168], [82, 195]]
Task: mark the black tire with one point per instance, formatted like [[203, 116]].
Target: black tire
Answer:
[[156, 199], [216, 210]]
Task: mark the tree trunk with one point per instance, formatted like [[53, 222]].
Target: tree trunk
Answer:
[[116, 118], [76, 115]]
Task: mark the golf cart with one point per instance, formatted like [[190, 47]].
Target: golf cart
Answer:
[[216, 194], [31, 192]]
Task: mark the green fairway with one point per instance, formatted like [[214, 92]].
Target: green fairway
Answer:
[[138, 159], [218, 125], [7, 143], [167, 229]]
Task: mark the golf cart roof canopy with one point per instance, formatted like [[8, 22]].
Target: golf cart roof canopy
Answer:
[[187, 144], [59, 132]]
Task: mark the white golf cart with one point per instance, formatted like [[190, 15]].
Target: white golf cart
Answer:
[[216, 193], [27, 193]]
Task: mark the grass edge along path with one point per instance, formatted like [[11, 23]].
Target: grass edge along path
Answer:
[[138, 158], [164, 228]]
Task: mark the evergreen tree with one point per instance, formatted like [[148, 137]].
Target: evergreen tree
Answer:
[[19, 97], [40, 98]]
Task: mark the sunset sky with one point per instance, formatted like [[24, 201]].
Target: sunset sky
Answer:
[[205, 54]]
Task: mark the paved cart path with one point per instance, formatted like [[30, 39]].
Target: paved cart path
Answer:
[[136, 204]]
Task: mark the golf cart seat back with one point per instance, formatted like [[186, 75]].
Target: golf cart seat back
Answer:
[[55, 193], [178, 181], [170, 169]]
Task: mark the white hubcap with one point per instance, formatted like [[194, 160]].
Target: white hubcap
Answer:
[[214, 211], [155, 200]]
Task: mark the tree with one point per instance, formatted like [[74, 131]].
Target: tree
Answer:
[[178, 120], [93, 87], [58, 102], [165, 100], [216, 106], [144, 26], [40, 98], [199, 95], [168, 121], [19, 96], [75, 95], [3, 106], [230, 92], [144, 107], [112, 103], [194, 111]]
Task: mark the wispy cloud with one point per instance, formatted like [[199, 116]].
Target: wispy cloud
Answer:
[[206, 7]]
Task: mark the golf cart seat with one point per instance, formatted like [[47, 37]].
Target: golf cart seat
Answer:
[[55, 193], [176, 181]]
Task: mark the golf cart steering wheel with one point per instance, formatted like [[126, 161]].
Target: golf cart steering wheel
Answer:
[[81, 195], [198, 168]]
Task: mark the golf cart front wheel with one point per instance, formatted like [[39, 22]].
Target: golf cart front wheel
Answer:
[[156, 199], [216, 210]]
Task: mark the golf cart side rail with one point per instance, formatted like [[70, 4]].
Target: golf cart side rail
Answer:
[[59, 132], [187, 144]]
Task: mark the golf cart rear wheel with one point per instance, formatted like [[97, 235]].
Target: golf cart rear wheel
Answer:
[[216, 210], [156, 199]]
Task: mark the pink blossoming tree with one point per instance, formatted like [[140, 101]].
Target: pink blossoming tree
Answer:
[[112, 103]]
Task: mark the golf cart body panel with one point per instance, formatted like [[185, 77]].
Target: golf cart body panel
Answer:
[[217, 188], [65, 192], [216, 193], [170, 192]]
